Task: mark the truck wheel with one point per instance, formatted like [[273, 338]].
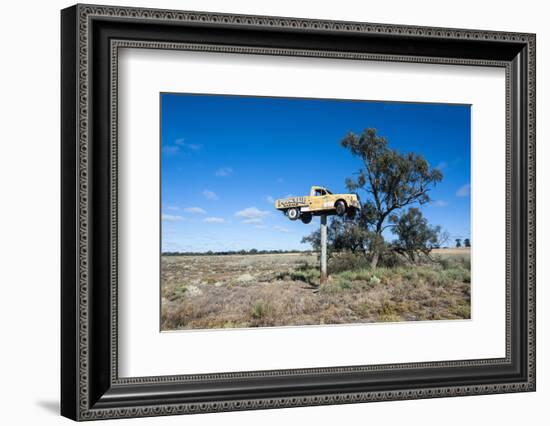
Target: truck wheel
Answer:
[[351, 213], [306, 218], [293, 213], [340, 208]]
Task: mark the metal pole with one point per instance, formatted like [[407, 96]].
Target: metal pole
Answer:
[[323, 249]]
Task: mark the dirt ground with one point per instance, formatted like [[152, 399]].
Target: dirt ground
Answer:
[[236, 291]]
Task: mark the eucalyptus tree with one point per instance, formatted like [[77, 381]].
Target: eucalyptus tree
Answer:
[[391, 181]]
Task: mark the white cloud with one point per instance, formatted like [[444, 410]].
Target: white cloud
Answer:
[[194, 210], [210, 195], [186, 145], [252, 213], [180, 145], [224, 171], [270, 199], [463, 191], [254, 220], [440, 203], [170, 149], [173, 208], [172, 218], [214, 220], [281, 228]]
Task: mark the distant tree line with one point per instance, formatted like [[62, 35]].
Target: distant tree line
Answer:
[[231, 252], [459, 242]]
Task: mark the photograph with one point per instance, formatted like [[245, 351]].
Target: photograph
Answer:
[[346, 207], [279, 211]]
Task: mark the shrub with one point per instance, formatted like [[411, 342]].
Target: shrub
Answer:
[[330, 289], [390, 259], [461, 310], [347, 261], [428, 275], [363, 310], [310, 276], [303, 266], [443, 280], [386, 308], [444, 261], [374, 280], [179, 291], [458, 274], [388, 312], [345, 284], [357, 275], [260, 309]]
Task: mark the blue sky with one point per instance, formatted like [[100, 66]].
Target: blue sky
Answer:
[[226, 158]]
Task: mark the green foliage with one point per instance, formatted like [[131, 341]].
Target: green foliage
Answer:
[[307, 274], [345, 285], [393, 180], [374, 280], [342, 235], [415, 236], [260, 310], [180, 290], [357, 275], [388, 312], [391, 259], [458, 274], [347, 261]]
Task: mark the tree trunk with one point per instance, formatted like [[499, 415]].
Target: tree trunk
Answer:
[[374, 260], [377, 243]]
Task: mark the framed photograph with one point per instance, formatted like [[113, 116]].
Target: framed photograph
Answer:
[[263, 212]]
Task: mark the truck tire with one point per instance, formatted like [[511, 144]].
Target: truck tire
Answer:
[[340, 208], [306, 218], [293, 213]]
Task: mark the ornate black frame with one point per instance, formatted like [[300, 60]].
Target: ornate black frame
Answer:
[[91, 37]]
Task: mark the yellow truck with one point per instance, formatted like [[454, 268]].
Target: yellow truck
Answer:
[[320, 201]]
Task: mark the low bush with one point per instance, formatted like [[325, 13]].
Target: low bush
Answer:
[[461, 310], [390, 259], [260, 310], [308, 275], [178, 293], [345, 284], [347, 261], [457, 274], [388, 312]]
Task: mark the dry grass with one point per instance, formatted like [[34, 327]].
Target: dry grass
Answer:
[[275, 290]]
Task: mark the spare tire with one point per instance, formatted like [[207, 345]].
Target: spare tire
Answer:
[[340, 208], [293, 213]]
